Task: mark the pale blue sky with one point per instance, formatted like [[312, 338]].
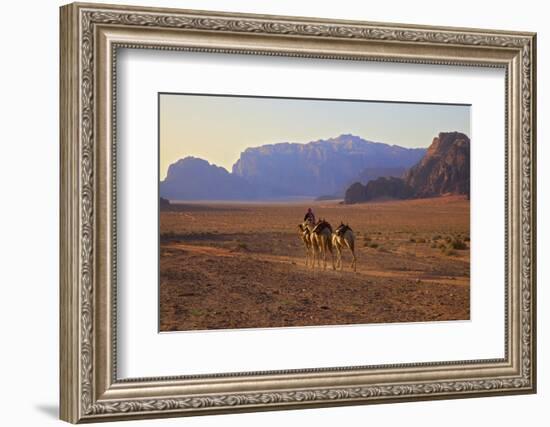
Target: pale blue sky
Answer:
[[219, 128]]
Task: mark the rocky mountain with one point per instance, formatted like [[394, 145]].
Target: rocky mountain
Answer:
[[364, 177], [382, 188], [196, 179], [444, 169], [320, 167]]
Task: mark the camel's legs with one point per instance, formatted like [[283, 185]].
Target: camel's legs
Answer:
[[338, 256], [331, 254], [316, 257], [351, 247]]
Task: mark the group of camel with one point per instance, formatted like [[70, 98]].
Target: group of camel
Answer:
[[320, 240]]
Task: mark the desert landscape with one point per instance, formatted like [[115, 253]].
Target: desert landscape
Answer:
[[233, 199], [242, 264]]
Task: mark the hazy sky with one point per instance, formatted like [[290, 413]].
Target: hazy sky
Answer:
[[219, 128]]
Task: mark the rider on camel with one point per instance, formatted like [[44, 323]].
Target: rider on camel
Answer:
[[309, 216]]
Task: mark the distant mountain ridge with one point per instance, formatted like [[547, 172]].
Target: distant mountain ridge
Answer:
[[444, 169], [317, 168]]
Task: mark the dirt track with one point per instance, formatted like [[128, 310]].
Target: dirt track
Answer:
[[242, 266]]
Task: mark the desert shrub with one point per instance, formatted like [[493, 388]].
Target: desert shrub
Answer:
[[412, 240], [242, 245], [367, 238], [436, 237], [373, 245], [457, 243], [467, 238], [433, 245]]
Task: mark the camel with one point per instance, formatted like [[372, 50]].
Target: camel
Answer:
[[305, 235], [344, 237], [320, 235]]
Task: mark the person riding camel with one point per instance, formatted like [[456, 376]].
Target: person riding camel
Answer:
[[309, 216]]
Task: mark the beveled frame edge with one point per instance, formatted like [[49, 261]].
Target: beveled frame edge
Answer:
[[88, 391]]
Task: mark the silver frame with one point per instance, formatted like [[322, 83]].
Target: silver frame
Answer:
[[90, 37]]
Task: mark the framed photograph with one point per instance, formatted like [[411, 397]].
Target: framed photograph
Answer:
[[266, 212]]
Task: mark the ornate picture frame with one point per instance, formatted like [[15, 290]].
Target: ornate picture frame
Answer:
[[90, 37]]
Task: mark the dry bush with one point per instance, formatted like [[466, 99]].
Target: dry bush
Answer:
[[452, 244], [457, 243]]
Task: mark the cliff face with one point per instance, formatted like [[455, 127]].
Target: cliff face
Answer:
[[444, 169], [319, 167]]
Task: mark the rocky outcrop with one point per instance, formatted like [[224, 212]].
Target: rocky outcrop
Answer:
[[356, 193], [164, 203], [383, 188], [445, 168]]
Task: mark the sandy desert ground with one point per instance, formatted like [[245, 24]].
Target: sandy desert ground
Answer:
[[242, 265]]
